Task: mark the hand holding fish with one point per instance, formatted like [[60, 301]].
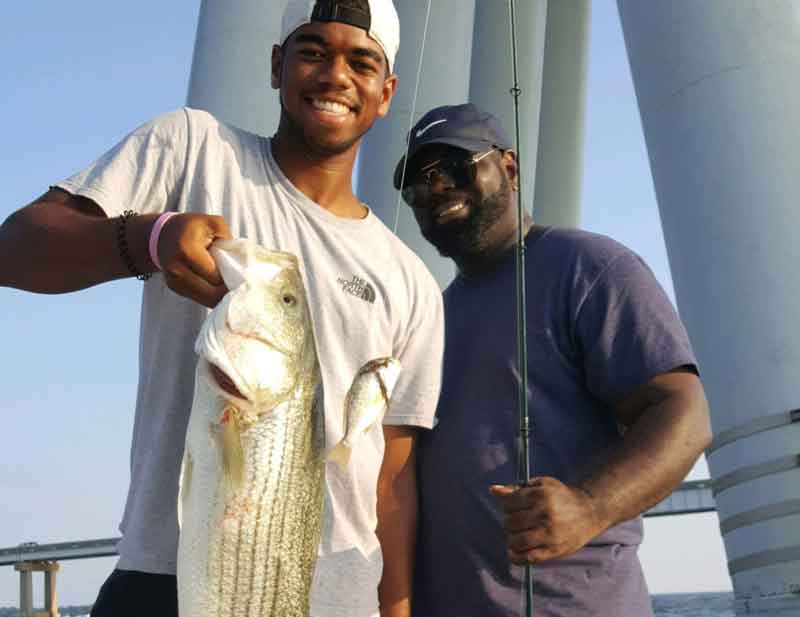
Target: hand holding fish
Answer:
[[545, 519], [183, 249]]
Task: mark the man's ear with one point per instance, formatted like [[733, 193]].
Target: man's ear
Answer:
[[276, 65], [509, 164], [389, 88]]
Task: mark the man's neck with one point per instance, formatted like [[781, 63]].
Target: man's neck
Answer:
[[489, 259], [324, 179]]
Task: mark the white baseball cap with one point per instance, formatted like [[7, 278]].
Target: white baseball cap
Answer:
[[380, 22]]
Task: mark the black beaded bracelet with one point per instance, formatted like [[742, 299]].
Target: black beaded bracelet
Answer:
[[122, 244]]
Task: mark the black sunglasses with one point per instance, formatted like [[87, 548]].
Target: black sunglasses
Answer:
[[459, 171]]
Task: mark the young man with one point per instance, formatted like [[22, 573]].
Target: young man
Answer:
[[618, 413], [333, 70]]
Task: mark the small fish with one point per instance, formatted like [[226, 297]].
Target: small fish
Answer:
[[365, 403]]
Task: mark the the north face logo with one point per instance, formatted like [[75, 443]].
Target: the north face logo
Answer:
[[358, 287]]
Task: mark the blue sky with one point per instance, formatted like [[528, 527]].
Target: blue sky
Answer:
[[76, 78]]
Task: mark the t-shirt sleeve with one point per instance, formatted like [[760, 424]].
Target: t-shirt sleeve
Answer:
[[628, 330], [141, 173], [414, 400]]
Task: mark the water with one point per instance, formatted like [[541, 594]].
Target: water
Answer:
[[687, 605], [693, 605]]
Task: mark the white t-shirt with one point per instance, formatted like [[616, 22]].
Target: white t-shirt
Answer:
[[369, 295]]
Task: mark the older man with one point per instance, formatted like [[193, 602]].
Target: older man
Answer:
[[617, 409]]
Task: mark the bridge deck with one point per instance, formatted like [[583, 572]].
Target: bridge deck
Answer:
[[689, 498], [61, 551]]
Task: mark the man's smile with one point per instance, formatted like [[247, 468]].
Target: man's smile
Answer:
[[327, 109], [449, 211]]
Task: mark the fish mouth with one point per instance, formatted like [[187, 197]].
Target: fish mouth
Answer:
[[224, 382], [231, 383]]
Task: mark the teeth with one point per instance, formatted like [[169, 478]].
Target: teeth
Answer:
[[453, 208], [330, 106]]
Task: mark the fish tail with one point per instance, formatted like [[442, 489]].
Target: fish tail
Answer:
[[232, 450], [340, 454]]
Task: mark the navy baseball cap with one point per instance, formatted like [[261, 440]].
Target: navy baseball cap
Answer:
[[463, 126]]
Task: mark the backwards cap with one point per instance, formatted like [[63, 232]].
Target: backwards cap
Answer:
[[380, 21]]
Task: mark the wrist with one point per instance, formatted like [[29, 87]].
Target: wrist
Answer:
[[596, 509], [130, 236], [155, 234]]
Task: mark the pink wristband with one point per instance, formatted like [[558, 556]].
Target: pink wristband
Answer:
[[155, 232]]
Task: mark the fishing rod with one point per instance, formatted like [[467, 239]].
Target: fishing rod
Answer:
[[524, 467], [413, 112]]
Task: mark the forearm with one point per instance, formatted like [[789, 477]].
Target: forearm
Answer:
[[397, 532], [397, 527], [57, 244], [656, 453]]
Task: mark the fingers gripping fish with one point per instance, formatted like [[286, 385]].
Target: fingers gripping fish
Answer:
[[251, 494]]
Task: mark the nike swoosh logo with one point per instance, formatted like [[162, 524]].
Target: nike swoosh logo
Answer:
[[424, 130]]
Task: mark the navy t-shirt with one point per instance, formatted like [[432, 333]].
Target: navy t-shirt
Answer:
[[599, 325]]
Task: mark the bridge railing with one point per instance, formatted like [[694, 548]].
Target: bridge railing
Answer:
[[60, 551]]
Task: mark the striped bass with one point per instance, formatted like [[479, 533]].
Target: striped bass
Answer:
[[251, 493]]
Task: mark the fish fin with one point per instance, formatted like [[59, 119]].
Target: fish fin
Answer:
[[387, 378], [184, 484], [232, 450], [386, 371], [340, 454]]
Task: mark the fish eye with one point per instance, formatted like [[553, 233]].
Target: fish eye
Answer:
[[289, 299]]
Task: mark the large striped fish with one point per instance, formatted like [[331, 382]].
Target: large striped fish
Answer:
[[250, 503]]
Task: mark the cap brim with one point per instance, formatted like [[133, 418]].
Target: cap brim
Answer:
[[472, 145]]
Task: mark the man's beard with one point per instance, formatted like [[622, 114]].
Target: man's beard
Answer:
[[467, 237], [315, 146]]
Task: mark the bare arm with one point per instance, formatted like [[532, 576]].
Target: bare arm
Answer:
[[62, 242], [397, 520], [667, 429]]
